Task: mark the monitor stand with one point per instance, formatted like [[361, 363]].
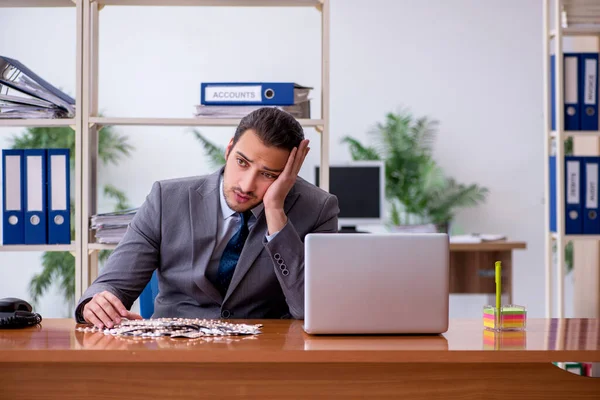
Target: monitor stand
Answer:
[[350, 229]]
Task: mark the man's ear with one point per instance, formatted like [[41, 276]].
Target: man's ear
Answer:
[[228, 148]]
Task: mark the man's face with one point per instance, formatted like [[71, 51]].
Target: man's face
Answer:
[[250, 169]]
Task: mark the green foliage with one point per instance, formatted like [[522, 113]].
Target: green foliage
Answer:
[[569, 256], [415, 184], [215, 154], [112, 147]]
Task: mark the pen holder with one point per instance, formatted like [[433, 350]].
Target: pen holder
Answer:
[[510, 318]]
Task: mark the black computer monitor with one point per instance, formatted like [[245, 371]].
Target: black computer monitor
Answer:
[[360, 189]]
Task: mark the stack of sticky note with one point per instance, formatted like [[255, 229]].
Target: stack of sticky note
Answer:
[[504, 340], [511, 318]]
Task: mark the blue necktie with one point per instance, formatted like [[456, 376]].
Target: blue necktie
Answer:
[[231, 254]]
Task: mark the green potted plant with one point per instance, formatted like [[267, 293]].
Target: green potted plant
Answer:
[[60, 266], [416, 186]]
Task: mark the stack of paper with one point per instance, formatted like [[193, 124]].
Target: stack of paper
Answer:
[[111, 227], [476, 238], [300, 110], [23, 94]]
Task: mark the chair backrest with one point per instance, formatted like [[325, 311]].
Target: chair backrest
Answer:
[[147, 297]]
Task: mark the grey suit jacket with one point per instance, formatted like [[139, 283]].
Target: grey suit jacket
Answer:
[[175, 231]]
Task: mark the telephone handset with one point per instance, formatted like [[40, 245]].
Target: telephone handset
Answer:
[[17, 313]]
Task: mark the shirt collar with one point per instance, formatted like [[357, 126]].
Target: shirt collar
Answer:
[[226, 211]]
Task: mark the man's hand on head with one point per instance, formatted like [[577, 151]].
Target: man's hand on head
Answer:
[[276, 193], [105, 310]]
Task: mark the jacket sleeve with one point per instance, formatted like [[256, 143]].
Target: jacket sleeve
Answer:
[[287, 252], [130, 267]]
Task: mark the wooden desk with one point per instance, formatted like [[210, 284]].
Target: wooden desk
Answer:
[[472, 267], [55, 361]]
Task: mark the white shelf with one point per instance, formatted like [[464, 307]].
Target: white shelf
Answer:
[[101, 246], [582, 13], [587, 30], [581, 18], [37, 3], [576, 237], [576, 133], [37, 122], [219, 3], [40, 247], [185, 121]]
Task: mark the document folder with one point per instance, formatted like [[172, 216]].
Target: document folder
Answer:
[[589, 91], [253, 93], [573, 197], [13, 216], [552, 189], [591, 219], [59, 208], [35, 196], [571, 106]]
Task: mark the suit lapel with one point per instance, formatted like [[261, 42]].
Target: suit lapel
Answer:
[[203, 213], [254, 244]]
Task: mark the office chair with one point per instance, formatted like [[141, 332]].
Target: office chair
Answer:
[[147, 297]]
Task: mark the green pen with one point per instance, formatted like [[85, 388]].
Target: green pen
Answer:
[[498, 279]]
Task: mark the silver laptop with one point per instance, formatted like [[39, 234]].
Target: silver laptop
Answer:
[[390, 283]]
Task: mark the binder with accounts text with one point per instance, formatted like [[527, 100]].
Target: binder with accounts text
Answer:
[[35, 168], [253, 93], [589, 91], [13, 216], [591, 217], [571, 107], [59, 208]]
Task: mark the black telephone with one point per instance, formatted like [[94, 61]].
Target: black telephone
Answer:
[[17, 313]]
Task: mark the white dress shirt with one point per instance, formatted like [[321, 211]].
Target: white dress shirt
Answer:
[[227, 226]]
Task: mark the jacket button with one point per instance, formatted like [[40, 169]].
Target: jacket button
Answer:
[[277, 256], [285, 272], [225, 314]]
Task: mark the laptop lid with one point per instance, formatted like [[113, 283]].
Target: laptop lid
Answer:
[[385, 283]]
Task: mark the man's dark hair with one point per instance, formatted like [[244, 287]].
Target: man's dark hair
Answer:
[[273, 126]]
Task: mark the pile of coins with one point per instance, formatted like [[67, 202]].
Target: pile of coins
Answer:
[[176, 328]]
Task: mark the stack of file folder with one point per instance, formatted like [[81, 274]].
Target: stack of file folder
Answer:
[[111, 227], [24, 94], [36, 196], [237, 99]]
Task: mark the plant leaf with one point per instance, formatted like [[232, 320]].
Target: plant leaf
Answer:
[[216, 154], [358, 151]]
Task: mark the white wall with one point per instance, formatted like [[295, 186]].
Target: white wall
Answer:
[[476, 66]]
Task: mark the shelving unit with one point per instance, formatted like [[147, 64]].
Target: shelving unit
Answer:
[[54, 247], [74, 123], [38, 122], [92, 123], [186, 121], [561, 18]]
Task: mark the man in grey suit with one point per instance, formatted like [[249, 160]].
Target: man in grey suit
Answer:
[[194, 230]]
